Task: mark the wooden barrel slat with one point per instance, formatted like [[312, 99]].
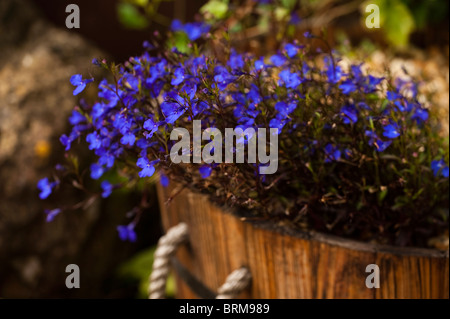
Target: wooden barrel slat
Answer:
[[287, 266]]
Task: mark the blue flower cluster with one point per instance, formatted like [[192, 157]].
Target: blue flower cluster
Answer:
[[193, 30], [126, 118], [330, 115]]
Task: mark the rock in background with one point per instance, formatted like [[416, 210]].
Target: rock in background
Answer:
[[36, 62]]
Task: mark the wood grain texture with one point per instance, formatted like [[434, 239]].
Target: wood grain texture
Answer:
[[295, 265]]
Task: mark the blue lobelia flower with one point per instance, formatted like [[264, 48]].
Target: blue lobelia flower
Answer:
[[332, 153], [372, 83], [349, 114], [107, 188], [77, 80], [308, 35], [260, 65], [356, 72], [373, 137], [199, 107], [401, 105], [291, 80], [278, 60], [222, 77], [374, 140], [97, 170], [295, 19], [291, 50], [190, 88], [107, 159], [195, 30], [122, 123], [164, 180], [94, 141], [382, 145], [147, 167], [420, 115], [157, 71], [51, 214], [172, 111], [333, 72], [391, 131], [205, 171], [130, 81], [76, 118], [196, 65], [176, 25], [128, 139], [150, 126], [126, 232], [392, 96], [278, 123], [66, 141], [236, 61], [178, 76], [108, 93], [284, 109], [254, 95], [348, 86], [440, 168], [46, 187]]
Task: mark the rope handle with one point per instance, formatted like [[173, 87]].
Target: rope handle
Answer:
[[235, 283]]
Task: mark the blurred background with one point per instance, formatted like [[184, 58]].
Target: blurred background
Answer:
[[38, 54]]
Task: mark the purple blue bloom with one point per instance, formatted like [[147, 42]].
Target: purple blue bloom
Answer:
[[205, 171], [107, 188], [440, 168], [77, 80], [51, 214], [46, 187], [127, 233]]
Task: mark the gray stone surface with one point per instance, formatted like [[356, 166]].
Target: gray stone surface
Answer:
[[36, 62]]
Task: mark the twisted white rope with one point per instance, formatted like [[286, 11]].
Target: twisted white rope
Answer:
[[167, 246], [235, 283]]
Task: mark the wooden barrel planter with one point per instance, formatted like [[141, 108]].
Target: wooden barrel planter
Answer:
[[291, 264]]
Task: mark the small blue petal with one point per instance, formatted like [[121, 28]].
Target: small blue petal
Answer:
[[391, 131], [107, 188], [51, 214], [164, 180], [205, 171], [97, 171]]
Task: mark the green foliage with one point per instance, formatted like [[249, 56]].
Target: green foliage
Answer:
[[218, 8], [397, 21], [180, 41], [139, 14], [139, 268], [130, 16]]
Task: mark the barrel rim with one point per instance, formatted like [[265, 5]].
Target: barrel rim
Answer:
[[329, 239], [334, 240]]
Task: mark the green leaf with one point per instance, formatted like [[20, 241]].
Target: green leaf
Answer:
[[382, 195], [397, 22], [130, 16], [180, 41], [217, 8], [140, 267], [416, 195], [264, 23], [281, 13], [289, 3], [237, 27], [141, 3]]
